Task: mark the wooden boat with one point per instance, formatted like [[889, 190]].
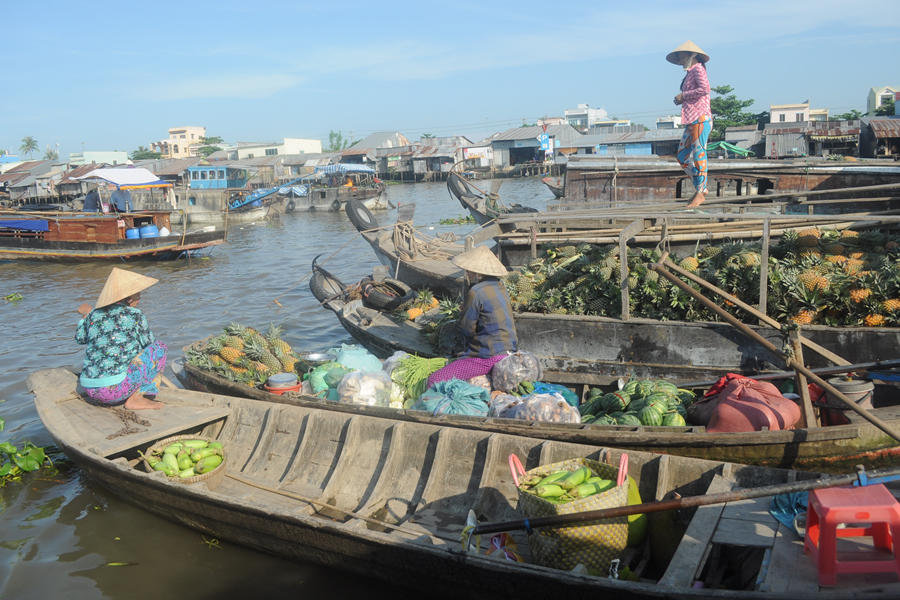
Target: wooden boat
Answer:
[[380, 498], [77, 237], [556, 186]]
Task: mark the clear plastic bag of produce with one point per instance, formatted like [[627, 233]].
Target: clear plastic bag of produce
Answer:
[[552, 388], [546, 408], [317, 377], [454, 397], [500, 403], [514, 369], [480, 381], [359, 387], [356, 358], [391, 362]]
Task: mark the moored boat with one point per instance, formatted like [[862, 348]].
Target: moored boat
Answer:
[[555, 185], [381, 498]]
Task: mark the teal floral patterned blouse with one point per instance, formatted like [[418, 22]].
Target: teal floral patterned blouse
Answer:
[[114, 335]]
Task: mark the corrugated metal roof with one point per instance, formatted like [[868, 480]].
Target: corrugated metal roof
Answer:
[[634, 137], [742, 128], [177, 166], [529, 133], [24, 182], [27, 166], [885, 127], [11, 178], [355, 151], [80, 171]]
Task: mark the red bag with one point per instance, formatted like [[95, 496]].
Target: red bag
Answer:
[[749, 405]]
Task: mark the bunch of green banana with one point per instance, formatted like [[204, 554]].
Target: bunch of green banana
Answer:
[[524, 388], [186, 458], [564, 486]]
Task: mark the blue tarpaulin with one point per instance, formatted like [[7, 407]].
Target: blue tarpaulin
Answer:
[[25, 224]]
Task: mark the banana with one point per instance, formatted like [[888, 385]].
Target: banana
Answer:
[[589, 489], [173, 448], [185, 462], [186, 473], [196, 444], [170, 460], [550, 490], [201, 454], [216, 445], [208, 464], [575, 478], [161, 466], [552, 477]]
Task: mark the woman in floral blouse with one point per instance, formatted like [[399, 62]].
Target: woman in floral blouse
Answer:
[[123, 363], [696, 116]]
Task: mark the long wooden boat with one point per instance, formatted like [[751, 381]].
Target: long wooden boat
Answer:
[[557, 187], [388, 500], [77, 237]]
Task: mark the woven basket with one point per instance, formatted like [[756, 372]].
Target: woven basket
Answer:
[[212, 479], [595, 543]]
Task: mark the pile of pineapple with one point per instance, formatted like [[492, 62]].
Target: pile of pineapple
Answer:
[[244, 355], [822, 276]]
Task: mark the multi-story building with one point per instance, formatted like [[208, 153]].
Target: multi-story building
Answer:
[[182, 143], [880, 95], [287, 146], [115, 157], [789, 113]]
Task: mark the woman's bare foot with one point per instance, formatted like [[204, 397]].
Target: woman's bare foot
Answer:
[[138, 401], [697, 200]]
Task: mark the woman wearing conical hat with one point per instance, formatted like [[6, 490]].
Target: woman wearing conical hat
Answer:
[[486, 322], [123, 363], [696, 116]]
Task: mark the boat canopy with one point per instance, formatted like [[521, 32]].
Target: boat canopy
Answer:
[[126, 179], [344, 169]]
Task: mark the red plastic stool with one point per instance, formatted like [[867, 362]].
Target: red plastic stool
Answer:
[[873, 505]]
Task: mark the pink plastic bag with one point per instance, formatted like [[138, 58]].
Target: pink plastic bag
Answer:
[[749, 405]]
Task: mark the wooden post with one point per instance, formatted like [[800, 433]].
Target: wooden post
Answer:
[[764, 270], [628, 232], [807, 415]]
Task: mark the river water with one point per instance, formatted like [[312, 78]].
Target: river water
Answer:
[[57, 531]]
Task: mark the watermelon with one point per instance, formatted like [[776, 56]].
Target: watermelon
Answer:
[[681, 410], [637, 524], [650, 417], [638, 405], [645, 388], [672, 404], [595, 392], [615, 402], [605, 420], [630, 419], [615, 415], [673, 419], [591, 407], [658, 397], [687, 397], [665, 387], [630, 387], [588, 418]]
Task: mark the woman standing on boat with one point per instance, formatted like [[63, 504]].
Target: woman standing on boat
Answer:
[[486, 318], [123, 363], [696, 116]]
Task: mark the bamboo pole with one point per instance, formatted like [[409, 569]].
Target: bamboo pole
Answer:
[[834, 392], [684, 502], [807, 414]]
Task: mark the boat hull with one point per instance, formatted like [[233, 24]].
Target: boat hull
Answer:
[[161, 248]]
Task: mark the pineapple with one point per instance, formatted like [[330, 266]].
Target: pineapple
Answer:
[[259, 352], [857, 255], [751, 259], [835, 249], [836, 259], [217, 360], [811, 253], [278, 346], [874, 320], [813, 281], [809, 238], [690, 264], [891, 304], [231, 355], [606, 273], [568, 251], [710, 251], [848, 233], [892, 246], [804, 317], [859, 294], [252, 335]]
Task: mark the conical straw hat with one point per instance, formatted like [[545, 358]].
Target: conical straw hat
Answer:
[[688, 46], [480, 260], [120, 284]]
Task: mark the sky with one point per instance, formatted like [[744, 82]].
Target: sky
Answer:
[[116, 75]]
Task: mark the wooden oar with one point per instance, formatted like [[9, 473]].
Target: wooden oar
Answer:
[[791, 363], [759, 315], [687, 502]]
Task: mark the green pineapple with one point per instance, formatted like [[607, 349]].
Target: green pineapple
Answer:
[[258, 350]]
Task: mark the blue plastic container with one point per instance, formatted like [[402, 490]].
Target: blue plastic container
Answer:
[[149, 231], [133, 233]]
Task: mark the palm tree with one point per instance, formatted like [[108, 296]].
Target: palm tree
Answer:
[[29, 145], [51, 154]]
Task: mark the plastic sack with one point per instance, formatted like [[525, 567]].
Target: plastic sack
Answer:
[[317, 377], [749, 405], [480, 381], [391, 362], [356, 358], [454, 397], [500, 403], [551, 388], [514, 369], [372, 388], [546, 408]]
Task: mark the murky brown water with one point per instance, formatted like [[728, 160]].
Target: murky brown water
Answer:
[[57, 531]]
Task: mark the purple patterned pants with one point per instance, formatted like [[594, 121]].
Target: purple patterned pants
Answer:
[[465, 368], [139, 378]]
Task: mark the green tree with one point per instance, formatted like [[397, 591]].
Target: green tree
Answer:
[[524, 124], [728, 111], [336, 142], [427, 135], [51, 154], [886, 109], [29, 145], [143, 153], [210, 144], [853, 115]]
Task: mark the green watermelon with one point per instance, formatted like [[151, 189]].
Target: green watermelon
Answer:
[[673, 419], [672, 403], [665, 387], [630, 387], [591, 407], [588, 418], [630, 419], [650, 417], [615, 415], [605, 420], [658, 397], [645, 388], [638, 405], [681, 410], [595, 392], [615, 402], [687, 397]]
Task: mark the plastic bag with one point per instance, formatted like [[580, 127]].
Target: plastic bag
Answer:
[[397, 399], [500, 403], [317, 377], [372, 388], [749, 405], [454, 397], [391, 362], [514, 369], [551, 388], [356, 358], [546, 408], [480, 381]]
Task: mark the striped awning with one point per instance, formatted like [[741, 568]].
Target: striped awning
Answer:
[[834, 138], [343, 169]]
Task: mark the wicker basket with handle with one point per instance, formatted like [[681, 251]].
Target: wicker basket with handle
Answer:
[[212, 478]]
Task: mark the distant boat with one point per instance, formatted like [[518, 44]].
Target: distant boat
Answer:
[[557, 186]]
